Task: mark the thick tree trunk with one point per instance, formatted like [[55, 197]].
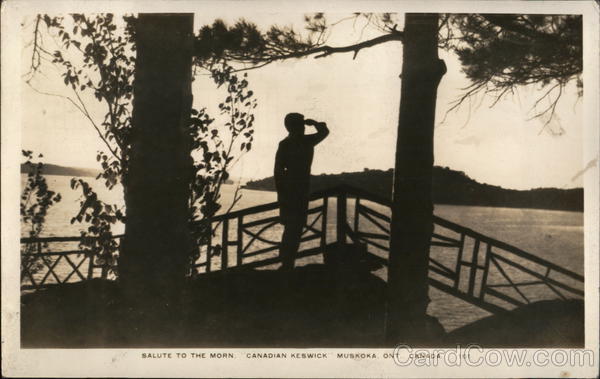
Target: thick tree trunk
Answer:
[[412, 211], [155, 250]]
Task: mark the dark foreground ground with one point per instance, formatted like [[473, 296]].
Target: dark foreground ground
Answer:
[[320, 307]]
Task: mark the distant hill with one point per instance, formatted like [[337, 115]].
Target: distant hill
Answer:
[[449, 187], [52, 169]]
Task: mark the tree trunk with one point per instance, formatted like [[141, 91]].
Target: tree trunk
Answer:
[[154, 254], [412, 210]]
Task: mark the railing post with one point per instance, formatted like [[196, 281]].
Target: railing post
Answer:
[[459, 260], [105, 269], [209, 247], [224, 245], [324, 223], [356, 214], [240, 239], [486, 270], [91, 267], [474, 264], [39, 256], [341, 217]]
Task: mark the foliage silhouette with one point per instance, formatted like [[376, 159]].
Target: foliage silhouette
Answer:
[[499, 52], [98, 241], [36, 199], [97, 56]]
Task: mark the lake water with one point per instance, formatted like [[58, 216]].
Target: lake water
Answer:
[[556, 236]]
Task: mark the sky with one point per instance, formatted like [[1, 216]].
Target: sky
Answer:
[[359, 99]]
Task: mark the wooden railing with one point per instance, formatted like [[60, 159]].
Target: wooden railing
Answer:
[[488, 273], [250, 237], [65, 262], [476, 268]]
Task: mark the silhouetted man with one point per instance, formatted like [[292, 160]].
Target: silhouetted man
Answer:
[[292, 179]]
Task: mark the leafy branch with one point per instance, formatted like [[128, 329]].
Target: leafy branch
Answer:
[[213, 155], [36, 200], [501, 53], [107, 72], [245, 43]]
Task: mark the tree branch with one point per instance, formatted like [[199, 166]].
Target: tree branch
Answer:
[[328, 50], [83, 110], [276, 54], [35, 55]]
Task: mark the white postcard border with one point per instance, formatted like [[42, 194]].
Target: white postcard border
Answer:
[[129, 362]]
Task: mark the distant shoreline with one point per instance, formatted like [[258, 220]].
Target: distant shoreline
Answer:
[[457, 205], [52, 169], [449, 187], [56, 170]]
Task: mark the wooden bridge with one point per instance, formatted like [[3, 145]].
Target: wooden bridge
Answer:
[[468, 265]]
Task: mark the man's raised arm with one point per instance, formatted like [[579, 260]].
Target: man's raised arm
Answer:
[[322, 131]]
